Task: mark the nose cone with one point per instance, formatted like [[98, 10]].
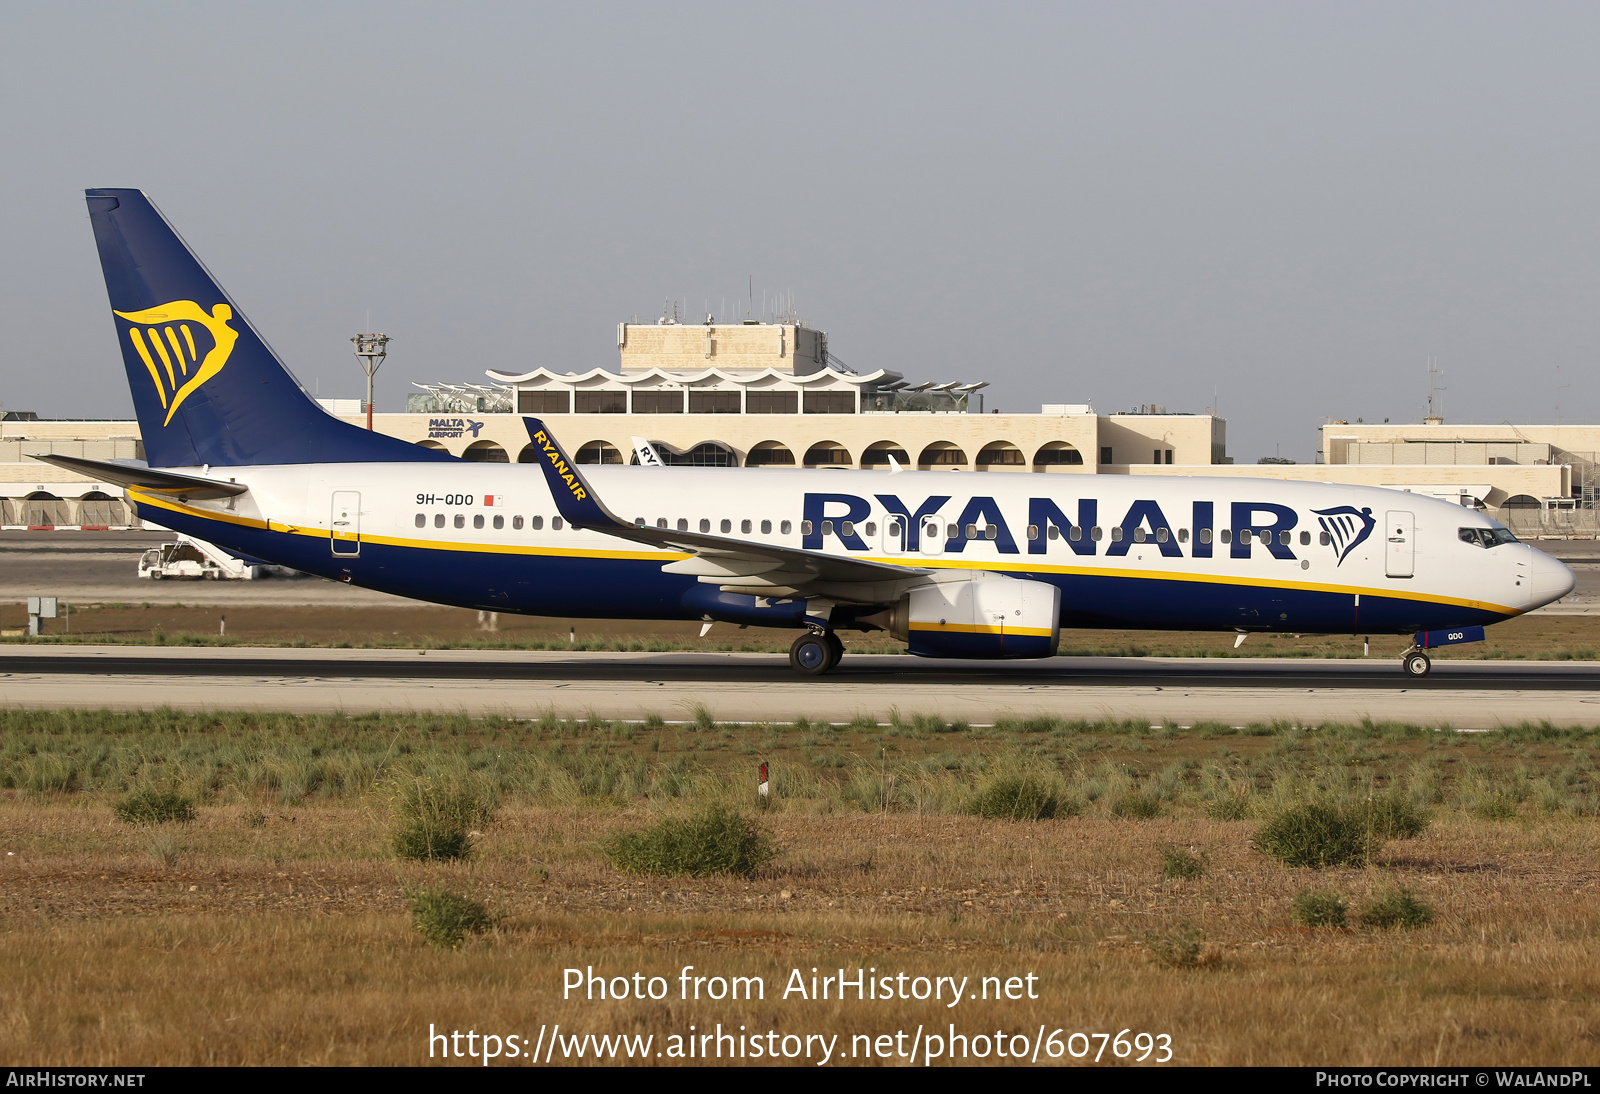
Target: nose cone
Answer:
[[1548, 579]]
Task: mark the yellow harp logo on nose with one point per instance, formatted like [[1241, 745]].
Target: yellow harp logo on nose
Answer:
[[167, 336]]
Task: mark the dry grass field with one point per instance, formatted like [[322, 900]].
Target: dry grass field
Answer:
[[273, 927]]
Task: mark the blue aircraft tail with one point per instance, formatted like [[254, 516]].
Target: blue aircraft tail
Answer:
[[206, 387]]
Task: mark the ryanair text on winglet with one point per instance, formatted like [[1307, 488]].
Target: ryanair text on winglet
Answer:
[[553, 454]]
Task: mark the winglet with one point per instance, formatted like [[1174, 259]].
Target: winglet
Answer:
[[574, 497], [645, 453]]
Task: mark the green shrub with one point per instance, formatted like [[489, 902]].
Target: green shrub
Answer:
[[1020, 797], [716, 841], [1395, 816], [155, 807], [1495, 807], [436, 822], [1179, 949], [1228, 807], [1136, 806], [1181, 864], [445, 918], [1320, 909], [1315, 834], [1395, 908]]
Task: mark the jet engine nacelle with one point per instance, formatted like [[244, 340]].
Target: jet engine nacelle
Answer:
[[984, 615]]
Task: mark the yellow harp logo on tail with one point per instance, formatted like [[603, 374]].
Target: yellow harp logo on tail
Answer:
[[167, 337]]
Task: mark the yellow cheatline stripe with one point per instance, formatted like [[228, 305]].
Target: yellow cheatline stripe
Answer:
[[979, 628], [1204, 579], [155, 377], [161, 352], [189, 338], [177, 350], [970, 564]]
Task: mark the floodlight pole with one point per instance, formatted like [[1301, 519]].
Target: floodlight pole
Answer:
[[371, 349]]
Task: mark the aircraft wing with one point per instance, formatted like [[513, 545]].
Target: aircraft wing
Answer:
[[736, 565], [137, 474]]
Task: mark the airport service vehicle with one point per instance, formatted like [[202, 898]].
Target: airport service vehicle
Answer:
[[956, 564], [190, 558]]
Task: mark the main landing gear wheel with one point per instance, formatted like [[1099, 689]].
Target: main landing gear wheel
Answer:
[[1416, 664], [835, 649], [812, 654]]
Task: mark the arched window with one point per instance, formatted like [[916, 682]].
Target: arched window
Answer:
[[1001, 456], [595, 452], [769, 454], [485, 452], [435, 445], [878, 453], [828, 454], [1057, 454], [941, 456]]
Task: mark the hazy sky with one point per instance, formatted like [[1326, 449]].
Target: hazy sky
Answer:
[[1293, 205]]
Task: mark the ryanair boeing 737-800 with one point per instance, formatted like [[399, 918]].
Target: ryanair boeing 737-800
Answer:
[[954, 565]]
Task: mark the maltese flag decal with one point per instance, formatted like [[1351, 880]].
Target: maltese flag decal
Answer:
[[493, 500]]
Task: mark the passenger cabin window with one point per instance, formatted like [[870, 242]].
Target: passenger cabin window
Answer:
[[1324, 539], [1138, 535], [872, 528], [516, 523], [726, 526], [438, 520], [766, 527], [555, 524], [537, 524], [461, 520], [499, 522], [705, 525], [1162, 535], [1225, 536], [477, 521], [1205, 535], [1075, 535], [745, 527], [1305, 539], [991, 531], [1033, 532], [683, 524], [1183, 535], [805, 528], [1116, 535], [786, 527], [1095, 533], [422, 520]]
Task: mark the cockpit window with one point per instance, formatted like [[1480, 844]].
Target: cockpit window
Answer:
[[1486, 537]]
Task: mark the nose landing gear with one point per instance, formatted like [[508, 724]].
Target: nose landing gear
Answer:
[[1415, 663], [815, 653]]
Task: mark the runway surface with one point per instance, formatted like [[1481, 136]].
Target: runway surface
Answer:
[[762, 687]]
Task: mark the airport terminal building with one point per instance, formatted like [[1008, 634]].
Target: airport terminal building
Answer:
[[763, 395]]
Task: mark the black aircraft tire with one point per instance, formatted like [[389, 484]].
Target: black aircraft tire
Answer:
[[835, 650], [811, 655], [1416, 664]]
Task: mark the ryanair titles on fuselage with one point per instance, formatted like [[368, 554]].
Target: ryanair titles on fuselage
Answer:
[[1249, 524]]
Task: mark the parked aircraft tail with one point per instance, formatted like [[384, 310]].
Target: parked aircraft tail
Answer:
[[206, 387]]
